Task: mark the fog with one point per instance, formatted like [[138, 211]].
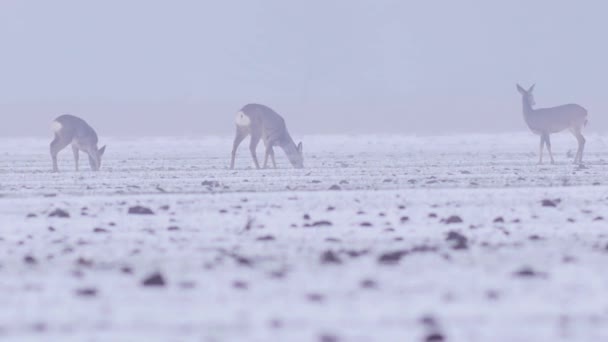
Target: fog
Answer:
[[145, 67]]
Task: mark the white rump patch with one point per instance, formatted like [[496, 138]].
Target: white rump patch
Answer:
[[242, 119], [56, 126]]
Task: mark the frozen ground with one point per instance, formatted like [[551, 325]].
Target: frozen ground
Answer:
[[274, 255]]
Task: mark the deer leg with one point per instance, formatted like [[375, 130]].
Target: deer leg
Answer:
[[76, 155], [542, 145], [238, 138], [269, 153], [253, 144], [274, 162], [548, 143], [266, 156], [57, 145], [581, 145]]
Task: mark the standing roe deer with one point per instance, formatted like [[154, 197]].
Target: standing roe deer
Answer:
[[73, 130], [262, 122], [544, 121]]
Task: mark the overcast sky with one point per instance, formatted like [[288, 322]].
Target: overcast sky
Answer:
[[144, 67]]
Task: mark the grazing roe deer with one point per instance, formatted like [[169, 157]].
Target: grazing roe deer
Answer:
[[73, 130], [544, 121], [262, 122]]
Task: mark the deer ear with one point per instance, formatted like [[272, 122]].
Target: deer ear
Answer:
[[520, 89], [300, 147], [531, 88], [102, 150]]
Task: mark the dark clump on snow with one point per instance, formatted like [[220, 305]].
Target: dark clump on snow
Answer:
[[139, 210], [239, 259], [240, 285], [457, 240], [315, 297], [433, 331], [392, 258], [266, 238], [550, 202], [211, 184], [86, 292], [528, 272], [335, 187], [30, 260], [368, 284], [154, 280], [354, 253], [59, 213], [492, 295], [452, 219], [100, 230], [330, 257], [434, 337], [328, 338], [84, 262], [323, 223]]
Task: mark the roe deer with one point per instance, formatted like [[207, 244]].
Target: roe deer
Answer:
[[544, 121], [73, 130], [262, 122]]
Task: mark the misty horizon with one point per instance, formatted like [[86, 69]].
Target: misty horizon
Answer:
[[153, 68]]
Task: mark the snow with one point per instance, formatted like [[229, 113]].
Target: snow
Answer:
[[244, 261]]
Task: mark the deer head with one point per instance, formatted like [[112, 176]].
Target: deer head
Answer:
[[95, 158], [527, 95], [296, 157]]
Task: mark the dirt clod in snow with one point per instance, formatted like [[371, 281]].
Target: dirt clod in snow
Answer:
[[30, 260], [139, 210], [435, 337], [457, 240], [330, 257], [59, 213], [323, 223], [391, 258], [550, 203], [155, 279], [368, 284], [86, 292], [528, 272], [328, 338], [453, 219]]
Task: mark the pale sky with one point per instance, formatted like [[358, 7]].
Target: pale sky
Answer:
[[145, 67]]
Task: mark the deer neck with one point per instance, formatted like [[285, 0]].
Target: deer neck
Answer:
[[288, 145], [527, 107], [290, 148]]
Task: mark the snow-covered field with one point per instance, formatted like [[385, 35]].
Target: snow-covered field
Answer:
[[379, 238]]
